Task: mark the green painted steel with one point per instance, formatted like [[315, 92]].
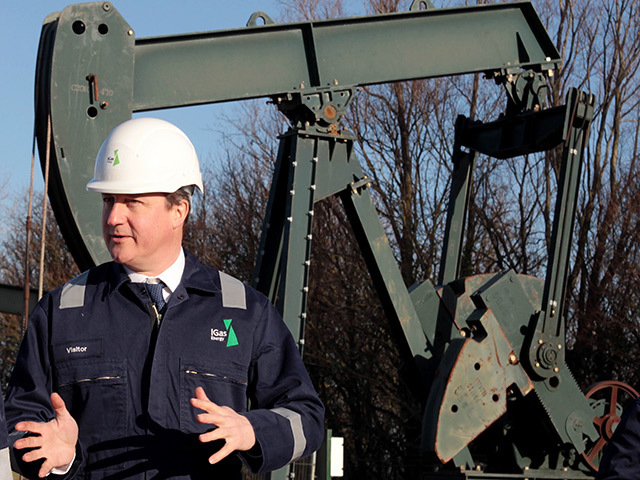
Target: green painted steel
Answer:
[[463, 164], [486, 351], [86, 78], [12, 299], [276, 59], [72, 49]]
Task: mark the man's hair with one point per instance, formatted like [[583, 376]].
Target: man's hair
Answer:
[[183, 193]]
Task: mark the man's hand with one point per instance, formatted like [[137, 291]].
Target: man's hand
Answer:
[[55, 441], [233, 428]]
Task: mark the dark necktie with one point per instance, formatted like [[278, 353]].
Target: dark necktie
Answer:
[[155, 293]]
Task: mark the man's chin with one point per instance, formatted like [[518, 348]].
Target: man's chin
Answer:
[[120, 256]]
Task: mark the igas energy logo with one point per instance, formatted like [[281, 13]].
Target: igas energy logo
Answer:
[[113, 160], [228, 334]]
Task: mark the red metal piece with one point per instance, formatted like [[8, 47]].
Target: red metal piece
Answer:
[[610, 392]]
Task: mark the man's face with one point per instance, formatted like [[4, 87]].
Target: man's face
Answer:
[[142, 231]]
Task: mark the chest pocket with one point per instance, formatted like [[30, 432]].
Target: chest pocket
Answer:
[[224, 383], [95, 393]]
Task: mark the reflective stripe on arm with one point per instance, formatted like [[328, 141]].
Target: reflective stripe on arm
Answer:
[[5, 465], [295, 422]]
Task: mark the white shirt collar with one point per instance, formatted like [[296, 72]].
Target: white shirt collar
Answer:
[[170, 277]]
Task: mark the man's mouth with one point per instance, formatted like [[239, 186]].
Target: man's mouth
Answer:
[[117, 237]]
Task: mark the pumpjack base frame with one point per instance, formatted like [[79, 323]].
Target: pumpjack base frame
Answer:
[[528, 475]]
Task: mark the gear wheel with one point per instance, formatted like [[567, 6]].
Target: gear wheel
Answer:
[[608, 400]]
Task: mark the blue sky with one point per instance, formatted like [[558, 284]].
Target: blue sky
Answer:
[[19, 35]]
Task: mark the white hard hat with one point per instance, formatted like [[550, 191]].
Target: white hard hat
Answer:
[[145, 155]]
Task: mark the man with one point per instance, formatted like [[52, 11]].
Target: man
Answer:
[[153, 364], [621, 456]]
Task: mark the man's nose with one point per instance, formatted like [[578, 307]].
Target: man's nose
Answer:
[[115, 214]]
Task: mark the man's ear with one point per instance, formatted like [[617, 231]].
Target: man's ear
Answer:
[[180, 212]]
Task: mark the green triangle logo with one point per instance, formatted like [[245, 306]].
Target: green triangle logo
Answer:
[[117, 160], [232, 340]]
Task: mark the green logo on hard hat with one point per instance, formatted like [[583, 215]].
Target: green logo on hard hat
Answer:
[[117, 160], [232, 340]]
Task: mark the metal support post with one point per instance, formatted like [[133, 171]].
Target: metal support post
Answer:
[[463, 165]]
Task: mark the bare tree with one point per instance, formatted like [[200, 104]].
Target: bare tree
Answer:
[[59, 268]]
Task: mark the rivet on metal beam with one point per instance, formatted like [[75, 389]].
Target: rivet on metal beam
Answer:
[[310, 213], [305, 289], [130, 33], [292, 192], [294, 163], [303, 315], [289, 219], [314, 159], [307, 262], [312, 187], [309, 237]]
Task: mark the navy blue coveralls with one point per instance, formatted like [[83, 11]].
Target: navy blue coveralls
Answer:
[[621, 456], [128, 383]]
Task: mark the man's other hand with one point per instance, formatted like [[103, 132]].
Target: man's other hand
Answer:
[[233, 428]]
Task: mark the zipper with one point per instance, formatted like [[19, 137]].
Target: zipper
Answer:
[[213, 375], [84, 380]]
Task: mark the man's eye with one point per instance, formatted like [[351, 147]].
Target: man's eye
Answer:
[[107, 200]]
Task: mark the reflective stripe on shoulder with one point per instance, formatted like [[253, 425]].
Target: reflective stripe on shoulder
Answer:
[[295, 421], [5, 465], [72, 295], [233, 294]]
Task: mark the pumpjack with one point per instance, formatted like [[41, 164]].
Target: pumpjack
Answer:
[[488, 350]]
